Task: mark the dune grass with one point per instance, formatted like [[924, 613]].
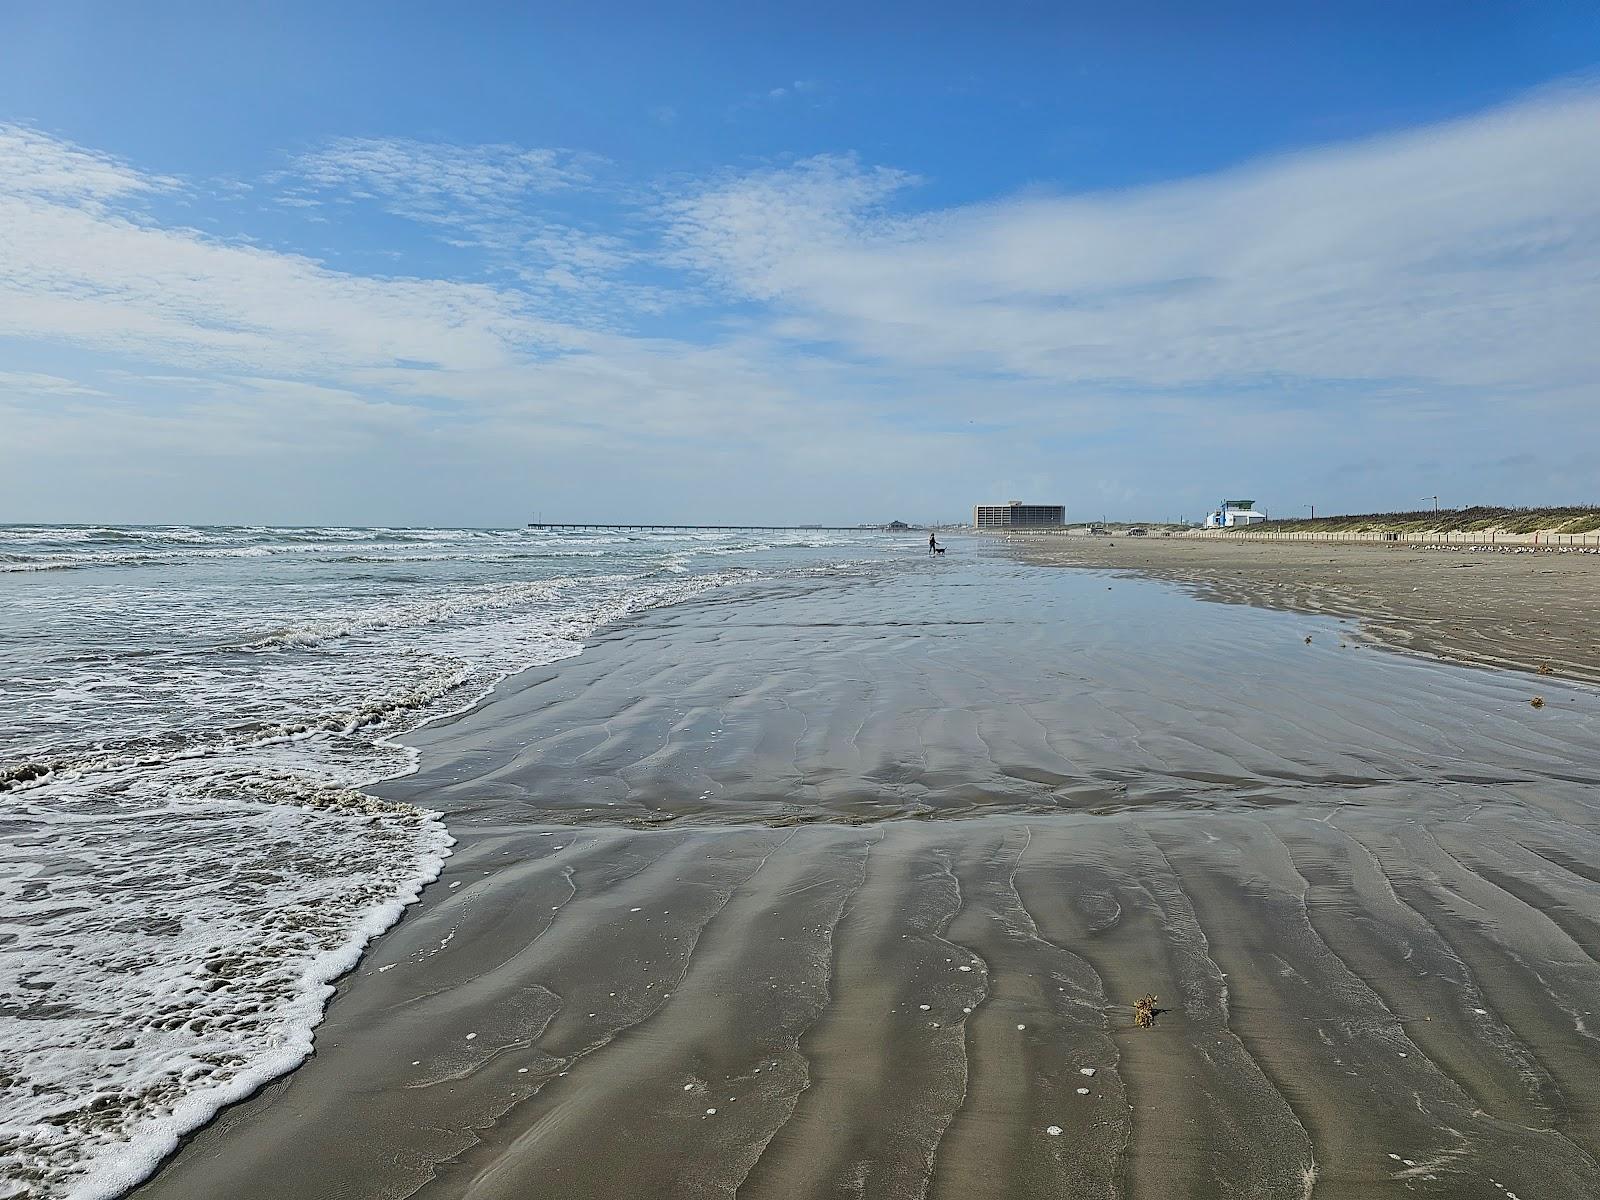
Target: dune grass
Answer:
[[1477, 519]]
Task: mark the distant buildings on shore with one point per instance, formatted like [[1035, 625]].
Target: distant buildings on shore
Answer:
[[1017, 515], [1234, 513]]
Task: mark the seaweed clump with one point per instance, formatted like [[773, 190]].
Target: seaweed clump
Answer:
[[1144, 1011]]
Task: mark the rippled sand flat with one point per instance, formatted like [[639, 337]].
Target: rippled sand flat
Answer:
[[1497, 605], [846, 887]]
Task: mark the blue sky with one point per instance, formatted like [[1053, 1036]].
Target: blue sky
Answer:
[[404, 264]]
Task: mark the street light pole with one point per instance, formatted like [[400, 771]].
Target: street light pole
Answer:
[[1435, 500], [1313, 509]]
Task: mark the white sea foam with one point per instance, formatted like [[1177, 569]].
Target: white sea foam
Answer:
[[141, 991], [191, 868]]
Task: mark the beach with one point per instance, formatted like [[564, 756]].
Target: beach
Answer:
[[188, 715], [846, 884], [553, 644], [1496, 606]]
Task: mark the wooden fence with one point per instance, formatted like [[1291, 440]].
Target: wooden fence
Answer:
[[1484, 538]]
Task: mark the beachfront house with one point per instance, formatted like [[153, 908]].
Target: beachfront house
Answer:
[[1234, 513], [1017, 515]]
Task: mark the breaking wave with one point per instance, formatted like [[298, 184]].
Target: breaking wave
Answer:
[[187, 857]]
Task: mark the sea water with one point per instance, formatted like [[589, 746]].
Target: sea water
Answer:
[[187, 715]]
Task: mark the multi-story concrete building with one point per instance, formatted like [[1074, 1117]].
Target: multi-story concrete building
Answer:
[[1017, 515]]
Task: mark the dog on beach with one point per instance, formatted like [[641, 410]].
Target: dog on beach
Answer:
[[938, 549]]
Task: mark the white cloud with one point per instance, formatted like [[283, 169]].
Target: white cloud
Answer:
[[1439, 286], [26, 383], [1460, 255], [758, 233], [85, 276], [500, 199], [429, 173], [479, 192], [781, 92], [283, 336], [39, 165], [581, 251]]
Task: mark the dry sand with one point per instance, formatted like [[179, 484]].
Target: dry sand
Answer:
[[1519, 609], [845, 887]]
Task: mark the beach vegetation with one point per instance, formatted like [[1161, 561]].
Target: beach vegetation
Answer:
[[1476, 519], [1145, 1011]]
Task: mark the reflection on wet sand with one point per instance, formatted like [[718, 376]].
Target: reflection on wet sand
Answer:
[[849, 887]]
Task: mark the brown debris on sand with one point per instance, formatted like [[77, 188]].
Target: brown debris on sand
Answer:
[[1144, 1012], [1537, 702], [1546, 669]]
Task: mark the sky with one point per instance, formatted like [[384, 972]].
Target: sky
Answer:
[[482, 264]]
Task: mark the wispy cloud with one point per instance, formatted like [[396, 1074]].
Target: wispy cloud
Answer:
[[176, 296], [1455, 255], [234, 316], [779, 93], [482, 192], [1436, 286], [37, 164], [425, 176], [756, 234], [798, 88], [26, 383], [506, 201]]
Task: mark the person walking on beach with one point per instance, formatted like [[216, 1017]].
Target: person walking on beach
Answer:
[[933, 546]]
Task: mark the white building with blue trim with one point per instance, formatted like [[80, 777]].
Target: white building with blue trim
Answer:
[[1234, 513]]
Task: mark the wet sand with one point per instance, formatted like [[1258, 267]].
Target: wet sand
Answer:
[[843, 886], [1500, 607]]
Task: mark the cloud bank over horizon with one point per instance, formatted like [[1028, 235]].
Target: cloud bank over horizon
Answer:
[[403, 330]]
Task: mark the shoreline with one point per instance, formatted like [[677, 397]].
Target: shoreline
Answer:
[[1517, 612], [635, 977]]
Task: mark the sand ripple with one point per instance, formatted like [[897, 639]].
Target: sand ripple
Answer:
[[849, 892]]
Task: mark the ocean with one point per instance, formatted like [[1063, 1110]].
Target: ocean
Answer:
[[187, 715]]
